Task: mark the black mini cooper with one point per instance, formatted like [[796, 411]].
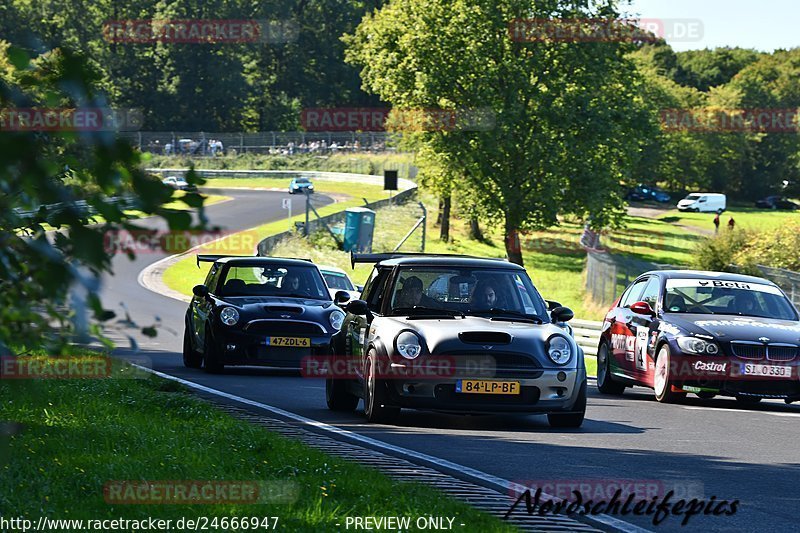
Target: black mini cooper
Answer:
[[455, 334], [261, 311]]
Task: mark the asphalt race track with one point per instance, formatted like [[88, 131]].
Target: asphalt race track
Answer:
[[708, 448]]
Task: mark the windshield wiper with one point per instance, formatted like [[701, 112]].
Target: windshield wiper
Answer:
[[427, 310], [498, 313]]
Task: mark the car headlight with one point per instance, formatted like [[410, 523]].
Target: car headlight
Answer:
[[559, 350], [697, 346], [408, 345], [229, 316], [336, 318]]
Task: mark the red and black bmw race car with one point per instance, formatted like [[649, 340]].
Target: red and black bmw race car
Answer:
[[707, 333]]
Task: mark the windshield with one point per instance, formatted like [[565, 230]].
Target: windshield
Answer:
[[720, 297], [335, 280], [693, 197], [482, 292], [302, 180], [288, 282]]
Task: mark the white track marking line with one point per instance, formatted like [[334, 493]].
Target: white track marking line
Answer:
[[499, 483], [736, 411]]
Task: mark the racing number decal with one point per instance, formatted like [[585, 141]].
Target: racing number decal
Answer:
[[642, 337]]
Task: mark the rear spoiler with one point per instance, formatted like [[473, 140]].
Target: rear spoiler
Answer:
[[377, 258], [208, 258]]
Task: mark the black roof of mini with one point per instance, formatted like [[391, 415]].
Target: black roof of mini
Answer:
[[451, 261]]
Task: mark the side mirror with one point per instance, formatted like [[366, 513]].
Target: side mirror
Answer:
[[201, 291], [340, 297], [358, 307], [642, 308], [561, 314], [552, 304], [360, 288]]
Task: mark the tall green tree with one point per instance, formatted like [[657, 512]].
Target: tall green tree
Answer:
[[566, 117]]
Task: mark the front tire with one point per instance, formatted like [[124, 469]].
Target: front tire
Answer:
[[574, 419], [191, 357], [211, 363], [338, 397], [606, 383], [663, 380], [376, 394]]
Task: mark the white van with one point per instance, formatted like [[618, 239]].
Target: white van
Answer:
[[703, 202]]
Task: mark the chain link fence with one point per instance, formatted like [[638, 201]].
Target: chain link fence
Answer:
[[787, 280], [607, 274], [269, 142]]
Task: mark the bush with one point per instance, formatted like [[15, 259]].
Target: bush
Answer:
[[718, 253], [775, 248]]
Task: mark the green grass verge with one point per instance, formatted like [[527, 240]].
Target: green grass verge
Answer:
[[79, 434], [745, 217]]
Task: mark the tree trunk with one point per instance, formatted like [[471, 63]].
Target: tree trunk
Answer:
[[475, 232], [439, 212], [513, 249], [444, 233]]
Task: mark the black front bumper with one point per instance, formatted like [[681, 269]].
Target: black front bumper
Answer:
[[235, 347]]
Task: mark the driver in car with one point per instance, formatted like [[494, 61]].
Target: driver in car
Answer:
[[291, 284], [746, 303], [412, 295]]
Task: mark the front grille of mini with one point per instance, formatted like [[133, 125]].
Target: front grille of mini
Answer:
[[283, 328], [484, 337]]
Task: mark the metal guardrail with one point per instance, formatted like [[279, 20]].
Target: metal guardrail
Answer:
[[586, 334]]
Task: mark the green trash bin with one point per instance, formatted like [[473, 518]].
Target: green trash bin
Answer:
[[359, 226]]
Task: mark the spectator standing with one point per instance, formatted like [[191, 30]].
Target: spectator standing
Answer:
[[716, 223], [731, 224]]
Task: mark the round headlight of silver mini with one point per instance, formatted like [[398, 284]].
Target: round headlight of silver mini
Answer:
[[559, 350], [408, 345], [336, 318], [229, 316]]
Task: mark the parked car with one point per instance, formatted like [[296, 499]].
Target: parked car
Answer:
[[263, 311], [301, 185], [704, 202], [777, 202], [481, 341], [645, 193], [337, 281], [178, 183], [707, 333]]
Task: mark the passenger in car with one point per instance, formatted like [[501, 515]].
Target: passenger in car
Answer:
[[484, 296]]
